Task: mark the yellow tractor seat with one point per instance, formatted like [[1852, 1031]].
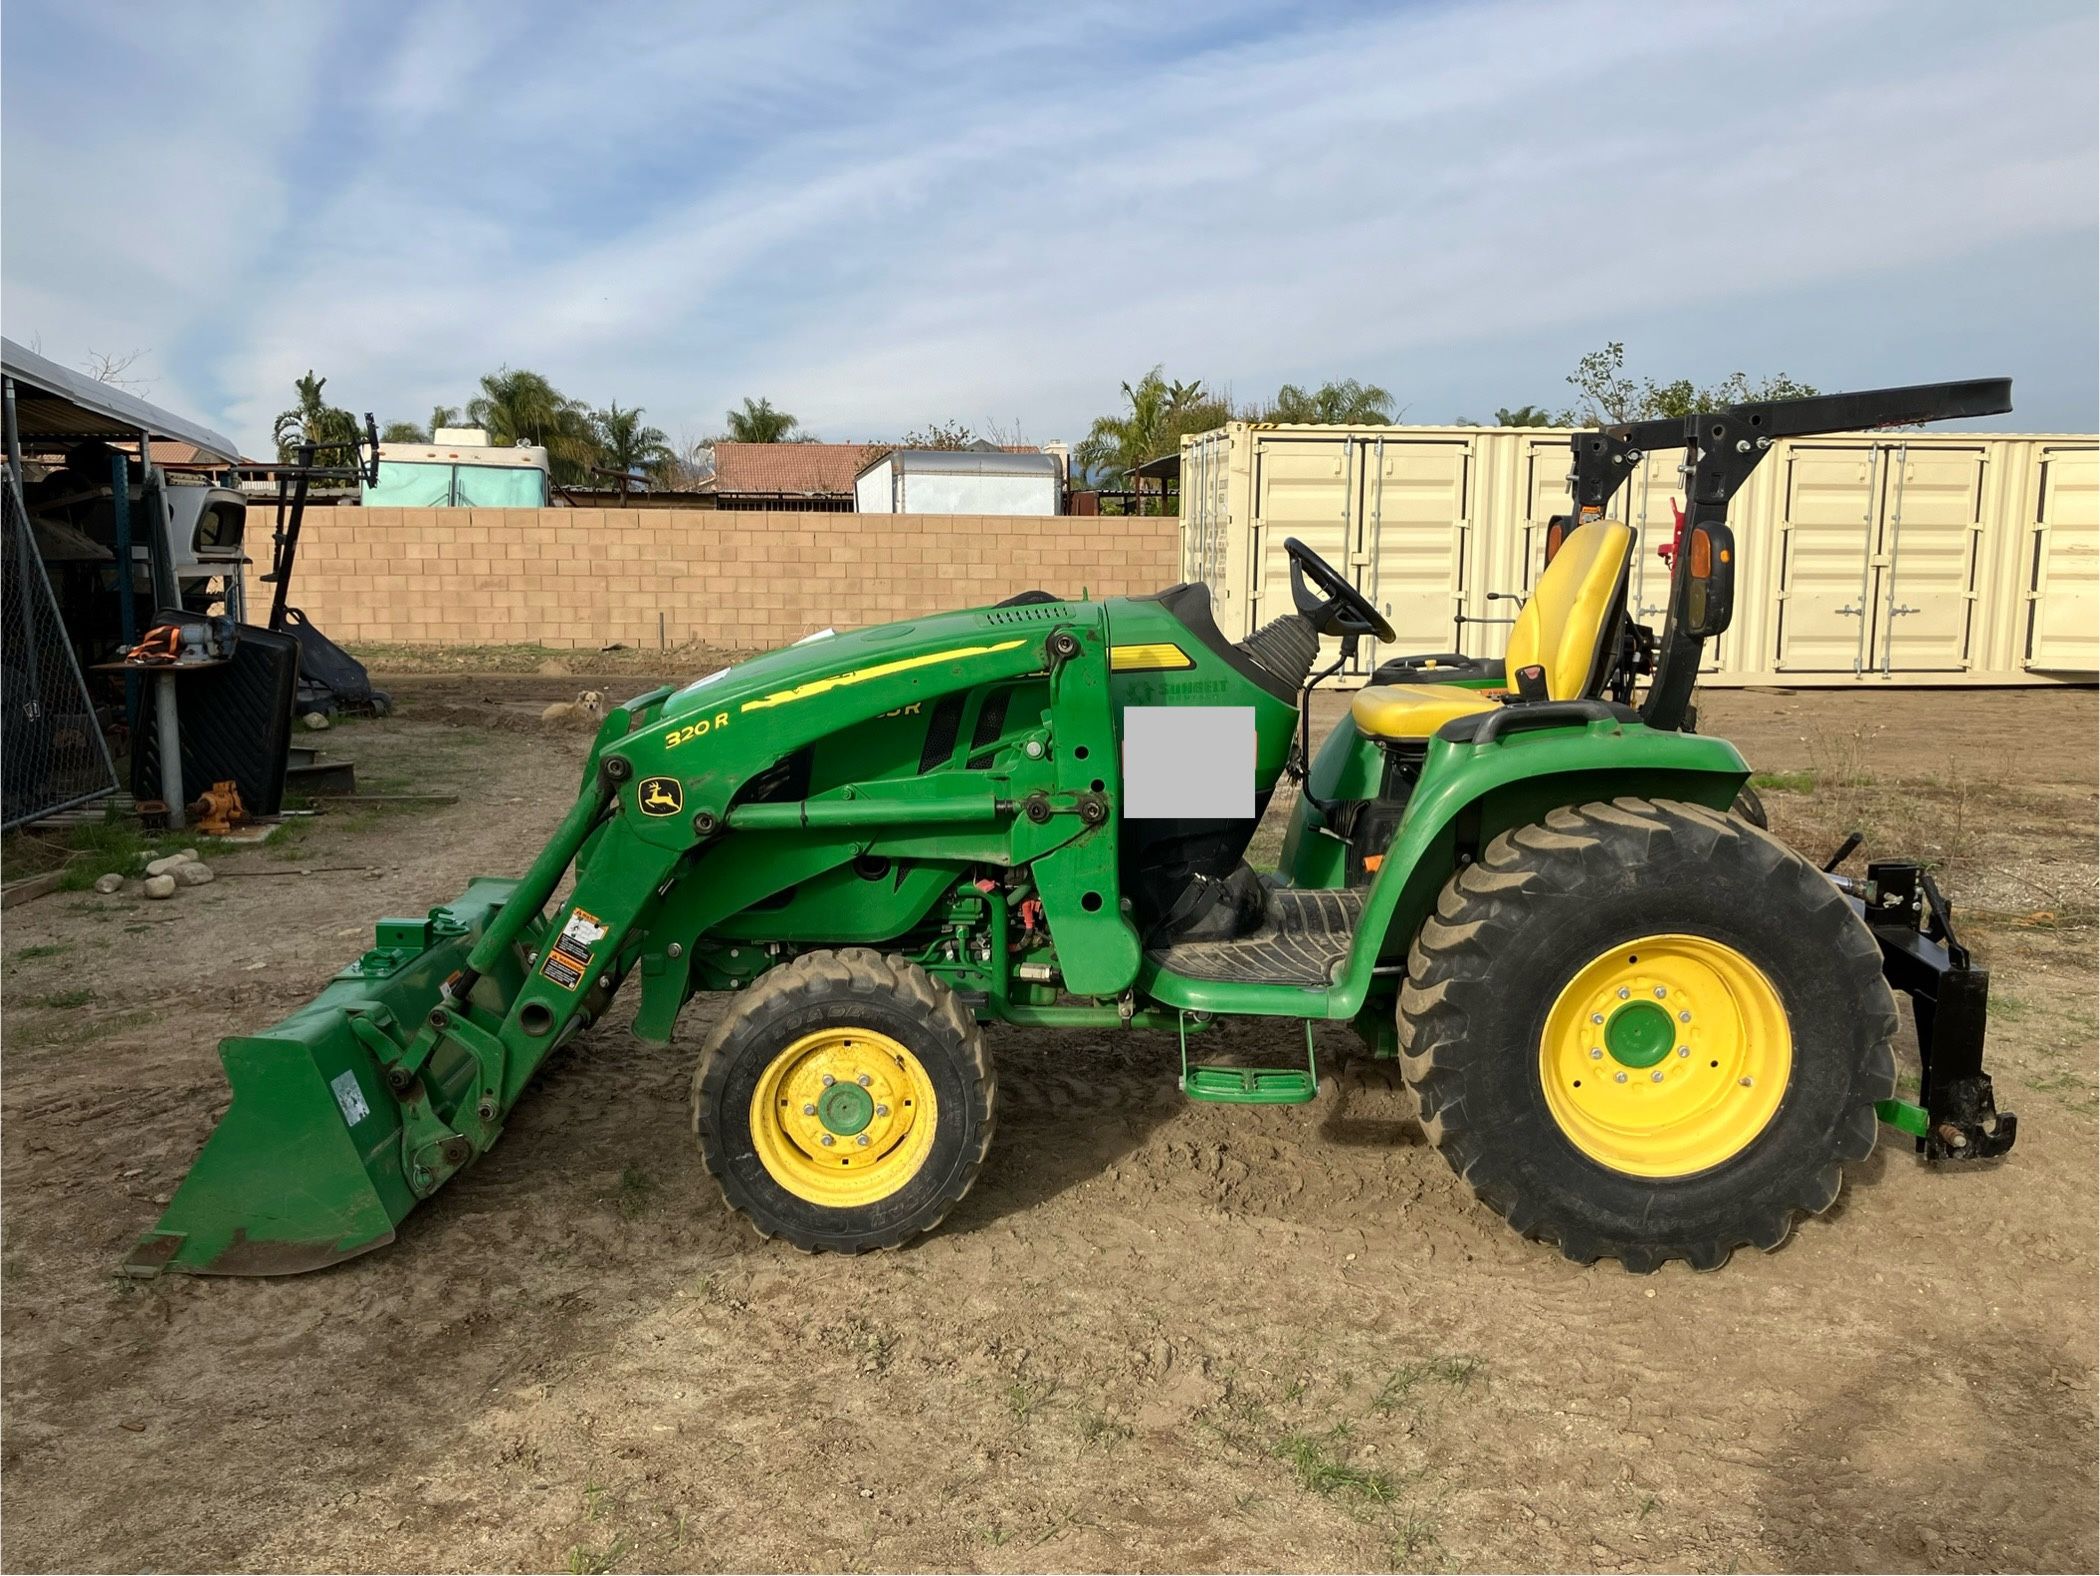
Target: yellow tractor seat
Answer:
[[1414, 711], [1567, 629]]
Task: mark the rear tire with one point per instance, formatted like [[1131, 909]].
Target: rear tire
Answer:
[[1677, 1107], [844, 1103]]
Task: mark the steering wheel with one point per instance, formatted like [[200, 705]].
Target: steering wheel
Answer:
[[1342, 610]]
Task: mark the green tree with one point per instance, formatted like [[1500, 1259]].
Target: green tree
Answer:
[[403, 432], [939, 435], [630, 448], [759, 422], [312, 420], [1610, 395], [518, 406], [1524, 416], [1334, 403], [445, 416], [1156, 415]]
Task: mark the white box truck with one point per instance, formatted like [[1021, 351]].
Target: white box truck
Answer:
[[960, 481]]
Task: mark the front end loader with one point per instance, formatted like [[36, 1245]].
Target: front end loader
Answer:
[[1640, 1027]]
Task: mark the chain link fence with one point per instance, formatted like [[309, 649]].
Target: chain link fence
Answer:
[[52, 753]]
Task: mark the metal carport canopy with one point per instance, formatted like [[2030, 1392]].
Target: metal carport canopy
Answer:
[[54, 403]]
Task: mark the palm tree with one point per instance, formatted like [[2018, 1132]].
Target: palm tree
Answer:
[[444, 416], [1524, 416], [759, 422], [1344, 403], [1116, 444], [517, 406], [312, 420], [1155, 416], [630, 448], [403, 432]]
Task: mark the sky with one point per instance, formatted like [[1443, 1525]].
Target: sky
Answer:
[[882, 216]]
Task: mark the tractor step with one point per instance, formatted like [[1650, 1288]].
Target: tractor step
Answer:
[[1251, 1085], [1220, 1084]]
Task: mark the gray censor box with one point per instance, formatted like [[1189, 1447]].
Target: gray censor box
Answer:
[[1188, 762]]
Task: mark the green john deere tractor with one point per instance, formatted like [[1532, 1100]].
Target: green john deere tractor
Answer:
[[1637, 1025]]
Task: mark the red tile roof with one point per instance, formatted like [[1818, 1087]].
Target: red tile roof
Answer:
[[794, 469]]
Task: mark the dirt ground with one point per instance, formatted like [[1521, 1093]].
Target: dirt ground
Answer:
[[1156, 1336]]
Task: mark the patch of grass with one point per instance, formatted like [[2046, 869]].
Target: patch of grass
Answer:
[[1415, 1537], [2005, 1005], [106, 847], [49, 950], [2074, 1093], [1322, 1465], [632, 1197], [585, 1561], [996, 1535], [1402, 1384], [288, 842], [1026, 1397], [1784, 782], [1099, 1429], [57, 1033], [66, 998]]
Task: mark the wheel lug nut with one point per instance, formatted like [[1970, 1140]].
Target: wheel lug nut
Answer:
[[1661, 992], [1596, 1053], [882, 1110], [1656, 1076], [1684, 1050], [826, 1140], [865, 1080], [829, 1080], [808, 1110], [862, 1140], [1624, 993], [1621, 1077], [1684, 1017], [1596, 1017], [1745, 1082]]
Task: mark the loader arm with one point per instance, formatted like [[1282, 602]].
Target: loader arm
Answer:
[[374, 1096]]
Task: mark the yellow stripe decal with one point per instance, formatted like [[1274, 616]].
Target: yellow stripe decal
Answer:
[[879, 671], [1148, 659]]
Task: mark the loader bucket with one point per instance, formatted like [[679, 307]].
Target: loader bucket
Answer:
[[307, 1167]]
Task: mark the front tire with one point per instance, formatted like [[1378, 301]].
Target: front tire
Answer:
[[1644, 1030], [844, 1103]]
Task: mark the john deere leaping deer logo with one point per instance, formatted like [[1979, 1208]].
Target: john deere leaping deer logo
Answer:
[[660, 796]]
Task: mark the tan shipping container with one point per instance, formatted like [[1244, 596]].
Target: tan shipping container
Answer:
[[1890, 557]]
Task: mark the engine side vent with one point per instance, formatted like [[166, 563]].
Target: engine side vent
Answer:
[[941, 730], [1029, 613]]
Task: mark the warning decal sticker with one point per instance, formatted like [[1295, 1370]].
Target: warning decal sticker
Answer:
[[568, 959], [349, 1097]]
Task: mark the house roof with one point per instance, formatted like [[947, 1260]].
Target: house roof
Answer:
[[57, 403], [790, 469]]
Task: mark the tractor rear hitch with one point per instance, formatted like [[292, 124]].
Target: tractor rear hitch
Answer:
[[1956, 1116]]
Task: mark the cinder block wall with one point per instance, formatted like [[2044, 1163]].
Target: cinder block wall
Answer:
[[588, 577]]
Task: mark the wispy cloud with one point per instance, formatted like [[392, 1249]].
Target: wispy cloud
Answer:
[[886, 215]]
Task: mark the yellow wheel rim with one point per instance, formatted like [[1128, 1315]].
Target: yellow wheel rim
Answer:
[[1665, 1056], [843, 1117]]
